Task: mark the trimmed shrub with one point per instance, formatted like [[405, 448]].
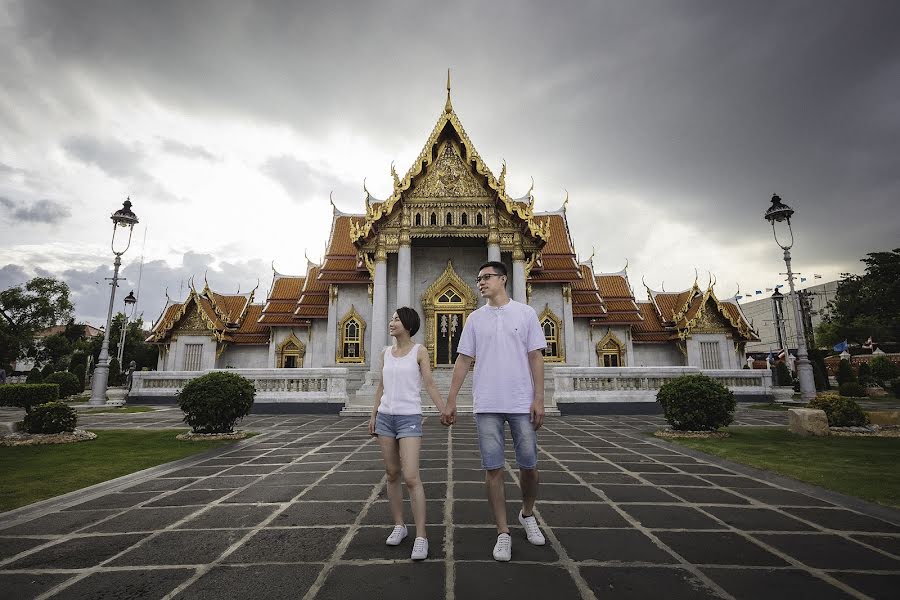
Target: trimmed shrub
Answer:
[[840, 411], [51, 417], [213, 403], [883, 370], [696, 403], [115, 373], [864, 375], [47, 371], [27, 396], [68, 383], [783, 374], [34, 376], [845, 372], [852, 389]]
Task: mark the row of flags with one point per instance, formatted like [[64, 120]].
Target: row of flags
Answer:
[[767, 290], [844, 345]]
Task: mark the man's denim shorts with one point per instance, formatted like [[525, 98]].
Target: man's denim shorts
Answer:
[[492, 442], [398, 426]]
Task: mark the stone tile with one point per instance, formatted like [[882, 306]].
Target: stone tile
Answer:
[[636, 493], [477, 543], [871, 584], [787, 584], [432, 490], [826, 551], [757, 519], [10, 546], [315, 544], [843, 520], [779, 497], [180, 548], [122, 585], [368, 544], [304, 513], [707, 495], [884, 542], [195, 472], [272, 582], [264, 493], [157, 485], [510, 580], [295, 479], [338, 492], [189, 498], [737, 481], [19, 586], [224, 482], [609, 478], [640, 583], [142, 519], [379, 513], [554, 476], [564, 493], [374, 464], [114, 500], [624, 545], [668, 479], [703, 469], [591, 466], [250, 470], [76, 553], [645, 467], [580, 515], [304, 467], [230, 517], [466, 474], [402, 581], [718, 548], [477, 491], [670, 517], [478, 512], [360, 477]]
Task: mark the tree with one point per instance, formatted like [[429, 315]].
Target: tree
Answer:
[[25, 310], [145, 355], [53, 349], [866, 305]]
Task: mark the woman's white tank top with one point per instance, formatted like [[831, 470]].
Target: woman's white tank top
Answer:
[[402, 384]]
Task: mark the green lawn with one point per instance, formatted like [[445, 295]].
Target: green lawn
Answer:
[[32, 473], [865, 467]]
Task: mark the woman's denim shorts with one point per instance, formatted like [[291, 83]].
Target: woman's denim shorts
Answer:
[[398, 426]]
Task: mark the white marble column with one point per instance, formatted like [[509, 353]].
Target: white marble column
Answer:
[[404, 275], [379, 308], [518, 274], [332, 334], [568, 325], [493, 252]]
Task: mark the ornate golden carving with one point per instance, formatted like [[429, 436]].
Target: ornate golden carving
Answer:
[[610, 344], [448, 279], [448, 177], [567, 292], [351, 338], [550, 323], [291, 346]]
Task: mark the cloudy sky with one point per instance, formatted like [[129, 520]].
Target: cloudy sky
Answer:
[[670, 124]]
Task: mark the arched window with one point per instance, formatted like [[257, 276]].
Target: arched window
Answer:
[[552, 327], [433, 219], [479, 220], [290, 353], [464, 220], [610, 352], [351, 331], [418, 220], [449, 220]]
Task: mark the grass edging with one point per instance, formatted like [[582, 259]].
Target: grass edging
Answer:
[[881, 511], [55, 503]]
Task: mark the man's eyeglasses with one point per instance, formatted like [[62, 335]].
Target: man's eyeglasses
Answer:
[[486, 276]]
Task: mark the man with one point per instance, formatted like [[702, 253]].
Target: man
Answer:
[[507, 341]]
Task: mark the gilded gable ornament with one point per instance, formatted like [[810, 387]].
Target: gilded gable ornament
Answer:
[[448, 176], [192, 322], [711, 321]]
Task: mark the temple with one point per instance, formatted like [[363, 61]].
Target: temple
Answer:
[[421, 247]]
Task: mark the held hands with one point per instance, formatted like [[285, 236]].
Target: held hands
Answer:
[[448, 415]]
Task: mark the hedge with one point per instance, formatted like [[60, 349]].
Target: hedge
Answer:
[[27, 395]]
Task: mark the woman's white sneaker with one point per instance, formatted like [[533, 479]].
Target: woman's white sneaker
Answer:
[[420, 549], [503, 548], [532, 530], [397, 535]]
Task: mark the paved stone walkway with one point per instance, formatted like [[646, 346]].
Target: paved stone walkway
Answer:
[[301, 512]]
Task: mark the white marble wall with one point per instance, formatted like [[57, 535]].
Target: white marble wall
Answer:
[[175, 359], [244, 357], [649, 355], [356, 296]]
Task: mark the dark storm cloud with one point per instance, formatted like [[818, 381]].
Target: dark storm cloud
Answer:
[[45, 211], [700, 109], [11, 276]]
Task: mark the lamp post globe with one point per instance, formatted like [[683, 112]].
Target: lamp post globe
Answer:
[[126, 219], [779, 215]]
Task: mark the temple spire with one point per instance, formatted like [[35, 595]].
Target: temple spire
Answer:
[[448, 107]]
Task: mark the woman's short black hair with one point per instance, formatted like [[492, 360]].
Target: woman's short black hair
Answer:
[[410, 319]]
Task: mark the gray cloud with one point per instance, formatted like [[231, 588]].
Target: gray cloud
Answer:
[[186, 151], [701, 110], [45, 211]]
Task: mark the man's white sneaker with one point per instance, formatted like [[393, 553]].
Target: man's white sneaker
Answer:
[[532, 530], [503, 548], [397, 535], [420, 549]]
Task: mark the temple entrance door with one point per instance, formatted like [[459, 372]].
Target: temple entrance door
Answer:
[[449, 330]]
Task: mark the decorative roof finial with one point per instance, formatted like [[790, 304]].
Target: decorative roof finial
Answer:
[[395, 176], [448, 107], [333, 207], [566, 201], [593, 253]]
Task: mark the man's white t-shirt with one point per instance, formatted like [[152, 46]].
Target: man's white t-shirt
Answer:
[[499, 339]]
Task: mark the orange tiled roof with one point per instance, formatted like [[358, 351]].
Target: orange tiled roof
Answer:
[[224, 314], [617, 296], [340, 263], [250, 330], [558, 260], [586, 299], [313, 301], [286, 287], [279, 308], [671, 303], [650, 329]]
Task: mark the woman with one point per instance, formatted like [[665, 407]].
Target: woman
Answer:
[[397, 421]]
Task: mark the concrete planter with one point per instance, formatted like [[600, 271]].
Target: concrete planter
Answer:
[[115, 396], [783, 393]]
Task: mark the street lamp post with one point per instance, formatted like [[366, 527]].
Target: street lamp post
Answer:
[[130, 301], [780, 213], [121, 218]]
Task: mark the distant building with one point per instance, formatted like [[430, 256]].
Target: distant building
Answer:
[[26, 364], [762, 314]]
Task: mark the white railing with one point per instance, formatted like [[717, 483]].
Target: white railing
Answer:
[[327, 385], [640, 384]]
